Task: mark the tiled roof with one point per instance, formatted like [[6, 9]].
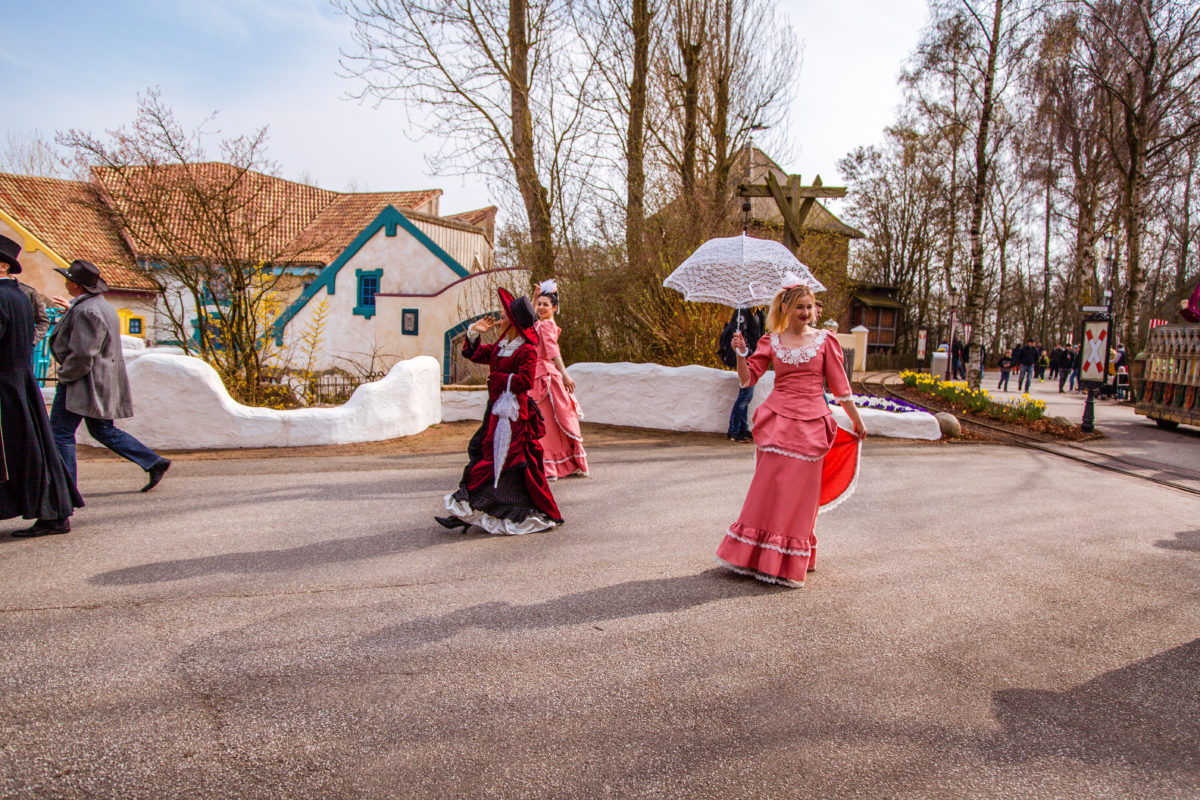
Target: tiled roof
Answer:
[[284, 220], [270, 212], [324, 238], [484, 218], [56, 212]]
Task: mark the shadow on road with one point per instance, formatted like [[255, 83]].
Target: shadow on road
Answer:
[[1184, 540], [630, 599], [332, 551], [1144, 714]]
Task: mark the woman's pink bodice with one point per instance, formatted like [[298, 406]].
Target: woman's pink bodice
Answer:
[[795, 419], [801, 374], [547, 348]]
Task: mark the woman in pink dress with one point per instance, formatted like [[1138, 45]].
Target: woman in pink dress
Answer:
[[773, 539], [553, 391]]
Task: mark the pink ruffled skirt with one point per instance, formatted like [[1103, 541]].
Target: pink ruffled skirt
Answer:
[[801, 467], [562, 445], [774, 538]]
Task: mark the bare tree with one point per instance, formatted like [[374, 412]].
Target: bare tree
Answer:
[[1144, 55], [489, 78], [211, 235], [895, 198], [30, 153]]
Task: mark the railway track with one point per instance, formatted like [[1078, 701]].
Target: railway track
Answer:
[[1169, 475]]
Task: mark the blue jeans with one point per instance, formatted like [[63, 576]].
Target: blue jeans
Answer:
[[64, 423], [1075, 379], [1003, 380], [1024, 378], [737, 417]]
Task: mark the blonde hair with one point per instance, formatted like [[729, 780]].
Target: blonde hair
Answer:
[[783, 304]]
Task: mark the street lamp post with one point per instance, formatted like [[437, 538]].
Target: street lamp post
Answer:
[[950, 336]]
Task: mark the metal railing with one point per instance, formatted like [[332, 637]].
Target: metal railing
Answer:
[[42, 362]]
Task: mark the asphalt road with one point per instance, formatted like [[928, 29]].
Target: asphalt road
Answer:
[[986, 622]]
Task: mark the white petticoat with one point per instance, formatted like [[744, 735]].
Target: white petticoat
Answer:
[[504, 527]]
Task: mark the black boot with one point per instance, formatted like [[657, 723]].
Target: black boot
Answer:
[[451, 522], [45, 527]]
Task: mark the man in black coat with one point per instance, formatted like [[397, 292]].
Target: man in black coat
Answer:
[[33, 481], [751, 324]]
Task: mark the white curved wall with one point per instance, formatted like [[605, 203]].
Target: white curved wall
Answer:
[[691, 398], [179, 402]]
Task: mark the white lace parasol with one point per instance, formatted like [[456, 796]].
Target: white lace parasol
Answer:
[[738, 271]]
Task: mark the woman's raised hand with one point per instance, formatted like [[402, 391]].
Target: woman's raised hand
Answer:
[[738, 341], [484, 325]]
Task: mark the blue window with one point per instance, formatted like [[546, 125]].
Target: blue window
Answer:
[[408, 321], [135, 326], [368, 287]]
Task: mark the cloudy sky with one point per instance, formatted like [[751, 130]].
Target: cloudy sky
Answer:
[[81, 63]]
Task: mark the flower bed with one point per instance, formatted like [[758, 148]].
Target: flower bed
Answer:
[[879, 403], [979, 401]]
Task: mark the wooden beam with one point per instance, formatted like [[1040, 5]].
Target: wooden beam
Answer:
[[803, 214], [762, 190], [791, 223]]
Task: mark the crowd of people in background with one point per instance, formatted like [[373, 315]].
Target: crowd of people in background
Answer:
[[1032, 361]]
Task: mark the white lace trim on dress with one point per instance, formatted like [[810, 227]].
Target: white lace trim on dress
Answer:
[[564, 460], [843, 399], [509, 346], [762, 576], [505, 527], [787, 551], [798, 355], [790, 454]]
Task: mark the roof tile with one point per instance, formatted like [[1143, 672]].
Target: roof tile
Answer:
[[57, 212]]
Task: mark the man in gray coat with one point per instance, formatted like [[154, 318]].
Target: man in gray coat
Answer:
[[92, 384]]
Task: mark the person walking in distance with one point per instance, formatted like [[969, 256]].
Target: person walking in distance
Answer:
[[1006, 365], [1027, 358], [92, 384], [33, 482]]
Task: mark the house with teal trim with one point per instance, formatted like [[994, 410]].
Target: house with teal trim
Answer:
[[386, 274], [406, 285]]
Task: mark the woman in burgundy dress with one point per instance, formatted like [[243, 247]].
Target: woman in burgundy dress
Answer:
[[554, 392], [503, 488], [804, 460]]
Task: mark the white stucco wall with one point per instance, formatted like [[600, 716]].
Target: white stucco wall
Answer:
[[180, 403], [689, 398], [463, 404]]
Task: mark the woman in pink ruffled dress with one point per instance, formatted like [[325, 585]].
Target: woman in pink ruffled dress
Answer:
[[804, 461], [554, 392]]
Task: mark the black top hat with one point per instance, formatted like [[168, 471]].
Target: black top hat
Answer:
[[8, 254], [86, 274], [520, 313]]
